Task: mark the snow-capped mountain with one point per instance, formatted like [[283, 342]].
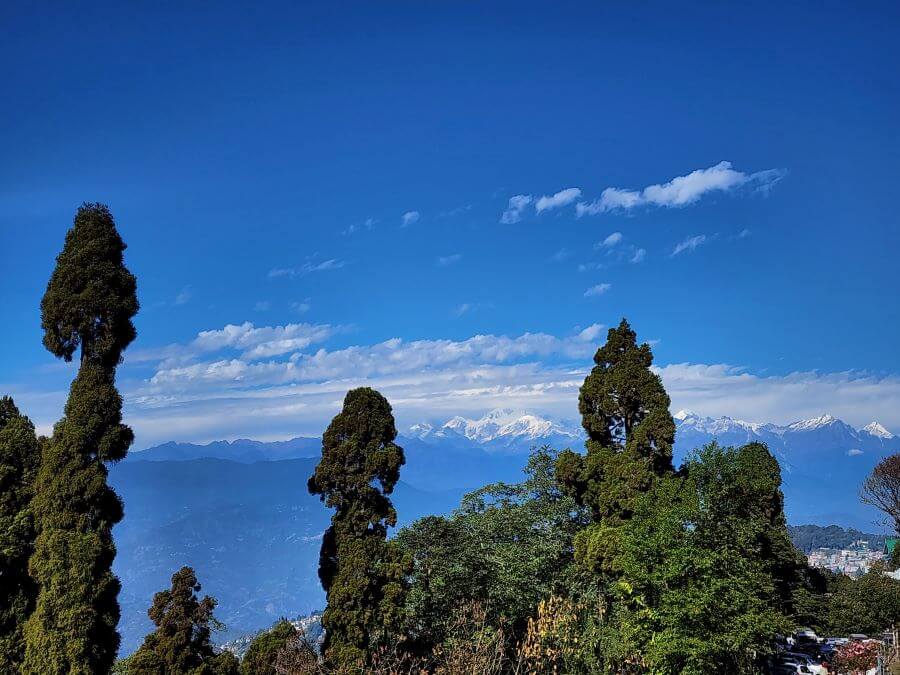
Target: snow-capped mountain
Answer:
[[503, 428], [815, 435], [875, 429], [823, 460]]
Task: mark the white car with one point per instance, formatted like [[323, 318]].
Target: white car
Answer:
[[811, 664]]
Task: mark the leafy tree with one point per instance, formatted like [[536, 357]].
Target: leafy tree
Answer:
[[19, 459], [89, 303], [868, 605], [263, 651], [625, 412], [363, 575], [882, 488], [696, 592], [506, 548], [181, 642]]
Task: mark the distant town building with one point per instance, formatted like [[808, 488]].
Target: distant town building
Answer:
[[853, 561]]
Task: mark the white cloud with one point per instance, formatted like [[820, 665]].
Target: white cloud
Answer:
[[252, 341], [307, 268], [591, 333], [612, 240], [301, 306], [367, 224], [638, 256], [561, 198], [595, 291], [743, 234], [446, 260], [243, 380], [721, 389], [409, 218], [517, 205], [689, 244], [854, 452], [681, 190]]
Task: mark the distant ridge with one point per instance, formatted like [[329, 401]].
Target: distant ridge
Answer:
[[241, 450]]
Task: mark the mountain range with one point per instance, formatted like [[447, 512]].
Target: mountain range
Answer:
[[239, 512]]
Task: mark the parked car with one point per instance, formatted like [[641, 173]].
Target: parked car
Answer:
[[790, 668], [813, 665]]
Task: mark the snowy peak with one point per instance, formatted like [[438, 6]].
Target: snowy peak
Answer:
[[875, 429], [815, 423], [503, 425], [710, 425]]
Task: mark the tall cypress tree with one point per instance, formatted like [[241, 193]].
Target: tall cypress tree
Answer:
[[89, 304], [625, 412], [19, 459], [363, 574]]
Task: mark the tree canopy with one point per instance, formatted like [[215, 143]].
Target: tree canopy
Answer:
[[263, 652], [181, 642], [89, 303], [506, 548], [363, 575], [625, 412], [19, 459]]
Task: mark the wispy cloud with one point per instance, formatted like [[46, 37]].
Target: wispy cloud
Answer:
[[561, 255], [262, 306], [610, 241], [184, 296], [409, 218], [592, 333], [638, 256], [598, 290], [517, 205], [688, 245], [561, 198], [308, 267], [301, 306], [367, 224], [681, 190], [447, 260], [459, 210]]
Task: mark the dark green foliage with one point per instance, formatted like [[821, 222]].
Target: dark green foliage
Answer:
[[263, 651], [625, 411], [91, 297], [867, 605], [363, 575], [506, 548], [696, 592], [181, 641], [89, 303], [19, 458]]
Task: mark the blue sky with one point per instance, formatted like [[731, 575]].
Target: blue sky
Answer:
[[342, 171]]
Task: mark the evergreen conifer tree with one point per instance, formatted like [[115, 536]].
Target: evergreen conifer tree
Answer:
[[181, 644], [89, 304], [362, 574], [262, 653], [19, 460], [625, 412]]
